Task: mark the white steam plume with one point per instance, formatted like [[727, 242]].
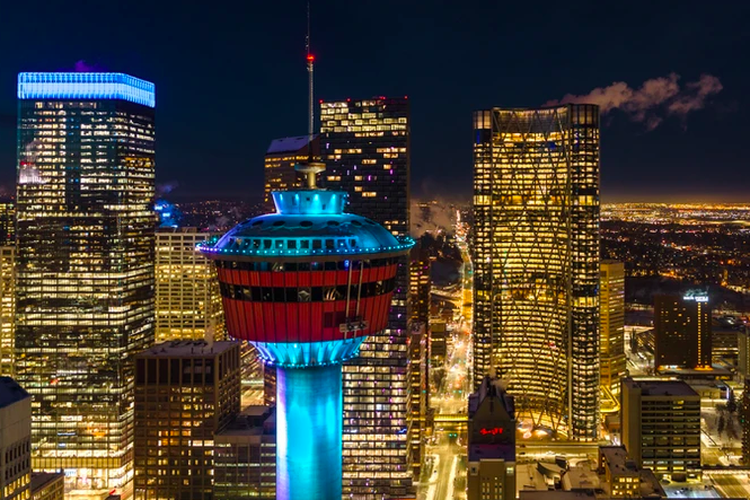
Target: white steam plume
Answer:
[[655, 100]]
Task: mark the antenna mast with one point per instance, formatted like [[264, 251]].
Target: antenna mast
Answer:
[[312, 167], [310, 61]]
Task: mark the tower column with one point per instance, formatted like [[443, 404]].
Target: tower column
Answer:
[[308, 433]]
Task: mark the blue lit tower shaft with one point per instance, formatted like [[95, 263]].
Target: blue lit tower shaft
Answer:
[[308, 432]]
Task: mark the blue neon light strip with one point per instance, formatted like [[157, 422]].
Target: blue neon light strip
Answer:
[[405, 244], [307, 354], [86, 86]]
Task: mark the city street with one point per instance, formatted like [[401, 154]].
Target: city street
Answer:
[[446, 450], [730, 486]]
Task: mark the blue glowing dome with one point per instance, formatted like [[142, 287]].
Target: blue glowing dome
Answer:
[[308, 223]]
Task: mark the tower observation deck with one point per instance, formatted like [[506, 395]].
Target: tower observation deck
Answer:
[[306, 285]]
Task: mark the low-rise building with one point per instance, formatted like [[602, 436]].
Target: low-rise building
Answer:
[[661, 426], [47, 486], [245, 456], [15, 441]]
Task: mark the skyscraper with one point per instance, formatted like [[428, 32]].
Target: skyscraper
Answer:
[[185, 392], [682, 329], [536, 261], [419, 400], [281, 157], [85, 283], [612, 324], [187, 290], [420, 285], [7, 288], [7, 222], [7, 310], [745, 421], [365, 144]]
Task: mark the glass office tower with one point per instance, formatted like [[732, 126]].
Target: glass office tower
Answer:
[[365, 144], [612, 325], [8, 310], [188, 302], [85, 267], [536, 263]]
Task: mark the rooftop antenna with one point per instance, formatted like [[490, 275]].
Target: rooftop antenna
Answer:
[[310, 62], [312, 167]]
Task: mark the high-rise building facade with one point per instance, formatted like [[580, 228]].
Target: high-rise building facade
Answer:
[[682, 330], [185, 392], [491, 472], [85, 264], [419, 399], [745, 421], [7, 222], [612, 324], [420, 285], [281, 157], [245, 456], [47, 486], [536, 261], [661, 426], [7, 288], [743, 353], [188, 301], [15, 441], [365, 144], [8, 310]]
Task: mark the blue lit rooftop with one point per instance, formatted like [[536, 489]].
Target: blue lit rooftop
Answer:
[[86, 86]]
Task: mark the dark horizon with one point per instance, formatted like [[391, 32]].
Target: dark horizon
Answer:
[[231, 80]]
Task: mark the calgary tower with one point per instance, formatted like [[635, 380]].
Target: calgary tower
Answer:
[[306, 285]]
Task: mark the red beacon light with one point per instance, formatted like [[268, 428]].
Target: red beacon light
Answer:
[[310, 58]]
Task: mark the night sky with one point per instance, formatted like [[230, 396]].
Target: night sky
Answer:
[[230, 77]]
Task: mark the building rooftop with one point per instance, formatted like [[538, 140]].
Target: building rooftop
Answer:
[[618, 460], [289, 144], [660, 387], [580, 478], [84, 85], [529, 478], [186, 348], [582, 495], [187, 230], [494, 389], [40, 480], [715, 372], [11, 392], [253, 420]]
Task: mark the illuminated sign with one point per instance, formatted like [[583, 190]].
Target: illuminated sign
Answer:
[[696, 298], [491, 432]]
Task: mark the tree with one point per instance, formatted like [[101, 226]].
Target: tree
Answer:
[[731, 402]]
